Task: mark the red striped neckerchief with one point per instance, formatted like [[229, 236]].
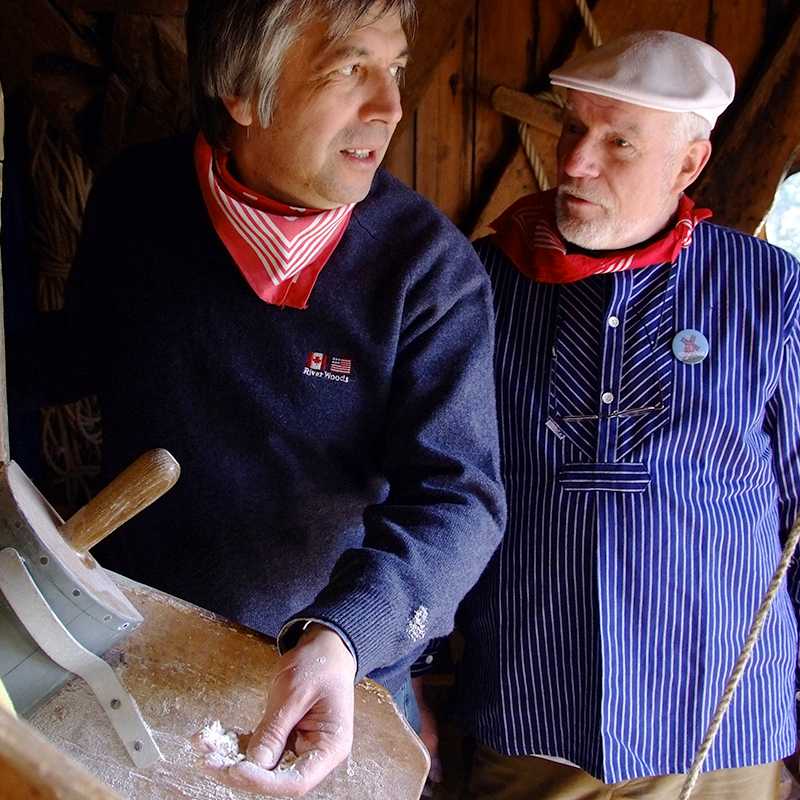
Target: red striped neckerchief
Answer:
[[527, 233], [280, 250]]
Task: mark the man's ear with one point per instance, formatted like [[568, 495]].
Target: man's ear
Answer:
[[240, 109], [694, 160]]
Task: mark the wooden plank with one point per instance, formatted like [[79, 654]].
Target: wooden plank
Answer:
[[4, 445], [31, 768], [175, 8], [741, 181], [399, 159], [187, 668], [540, 114], [438, 21], [737, 28], [445, 119]]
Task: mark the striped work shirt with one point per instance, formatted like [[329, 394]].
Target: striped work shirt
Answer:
[[647, 500]]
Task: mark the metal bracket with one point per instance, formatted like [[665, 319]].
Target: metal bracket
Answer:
[[54, 639]]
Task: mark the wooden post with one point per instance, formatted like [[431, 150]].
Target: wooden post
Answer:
[[4, 444]]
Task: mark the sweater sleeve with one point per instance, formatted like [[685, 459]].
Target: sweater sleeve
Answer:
[[428, 542]]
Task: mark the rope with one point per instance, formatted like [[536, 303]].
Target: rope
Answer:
[[588, 21], [70, 433], [539, 172], [741, 662], [525, 135]]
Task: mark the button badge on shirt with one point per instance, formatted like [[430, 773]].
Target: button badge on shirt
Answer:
[[690, 346]]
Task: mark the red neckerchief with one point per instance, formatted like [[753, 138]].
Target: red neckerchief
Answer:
[[528, 235], [280, 250]]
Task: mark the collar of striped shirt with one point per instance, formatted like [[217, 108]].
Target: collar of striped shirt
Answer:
[[527, 233], [280, 250]]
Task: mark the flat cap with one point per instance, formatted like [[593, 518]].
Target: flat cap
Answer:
[[655, 69]]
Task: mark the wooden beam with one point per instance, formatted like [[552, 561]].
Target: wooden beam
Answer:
[[761, 146], [439, 21], [526, 108], [33, 769]]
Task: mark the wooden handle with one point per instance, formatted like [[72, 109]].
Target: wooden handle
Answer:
[[129, 493]]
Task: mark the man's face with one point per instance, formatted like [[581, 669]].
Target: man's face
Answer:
[[619, 170], [337, 107]]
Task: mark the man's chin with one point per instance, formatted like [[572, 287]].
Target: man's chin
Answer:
[[587, 235]]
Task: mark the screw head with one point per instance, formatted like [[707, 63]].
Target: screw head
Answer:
[[115, 704], [137, 745]]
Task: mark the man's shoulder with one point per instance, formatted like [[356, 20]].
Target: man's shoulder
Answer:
[[152, 168], [740, 247], [406, 225]]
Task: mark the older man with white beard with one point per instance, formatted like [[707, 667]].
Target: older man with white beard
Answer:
[[648, 379]]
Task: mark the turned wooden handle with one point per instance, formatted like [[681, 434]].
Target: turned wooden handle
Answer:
[[129, 493]]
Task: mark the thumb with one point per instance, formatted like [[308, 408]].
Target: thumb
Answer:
[[269, 739]]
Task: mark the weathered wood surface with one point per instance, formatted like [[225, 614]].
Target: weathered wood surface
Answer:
[[4, 442], [31, 768], [186, 668], [752, 161]]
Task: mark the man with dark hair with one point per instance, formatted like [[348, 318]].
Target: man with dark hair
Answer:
[[312, 341]]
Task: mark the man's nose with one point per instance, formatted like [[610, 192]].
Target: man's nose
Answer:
[[383, 101], [579, 158]]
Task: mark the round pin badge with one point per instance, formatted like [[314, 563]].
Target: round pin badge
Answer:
[[690, 346]]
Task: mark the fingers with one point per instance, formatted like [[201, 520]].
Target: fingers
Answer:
[[294, 776]]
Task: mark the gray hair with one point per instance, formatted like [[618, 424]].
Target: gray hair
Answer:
[[236, 48], [690, 127]]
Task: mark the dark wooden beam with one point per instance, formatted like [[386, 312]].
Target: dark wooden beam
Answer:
[[439, 20], [761, 146]]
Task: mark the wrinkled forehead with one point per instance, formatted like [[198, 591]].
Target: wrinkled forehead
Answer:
[[595, 109]]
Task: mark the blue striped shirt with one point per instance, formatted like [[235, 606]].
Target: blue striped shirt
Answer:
[[647, 500]]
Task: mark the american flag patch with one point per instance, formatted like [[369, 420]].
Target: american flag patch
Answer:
[[341, 366]]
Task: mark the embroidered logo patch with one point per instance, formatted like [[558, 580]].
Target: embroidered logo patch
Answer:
[[332, 368]]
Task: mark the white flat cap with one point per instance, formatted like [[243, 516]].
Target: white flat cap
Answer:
[[655, 69]]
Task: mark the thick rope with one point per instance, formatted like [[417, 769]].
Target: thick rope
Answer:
[[588, 21], [537, 165], [741, 662]]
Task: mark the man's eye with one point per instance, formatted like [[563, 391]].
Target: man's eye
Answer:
[[347, 71], [620, 142], [572, 127], [398, 72]]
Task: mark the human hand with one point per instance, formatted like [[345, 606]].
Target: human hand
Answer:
[[307, 729]]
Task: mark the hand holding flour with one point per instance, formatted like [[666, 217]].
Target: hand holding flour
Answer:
[[307, 729]]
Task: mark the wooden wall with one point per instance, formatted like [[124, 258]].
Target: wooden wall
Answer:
[[455, 147]]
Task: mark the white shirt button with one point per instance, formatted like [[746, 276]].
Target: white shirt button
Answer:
[[429, 659], [613, 322], [797, 697], [607, 398]]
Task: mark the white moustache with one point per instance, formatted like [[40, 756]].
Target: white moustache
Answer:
[[584, 193]]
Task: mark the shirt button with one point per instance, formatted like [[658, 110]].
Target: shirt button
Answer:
[[797, 697], [607, 398], [429, 659], [613, 322]]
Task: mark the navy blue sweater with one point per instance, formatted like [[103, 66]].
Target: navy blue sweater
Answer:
[[370, 501]]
